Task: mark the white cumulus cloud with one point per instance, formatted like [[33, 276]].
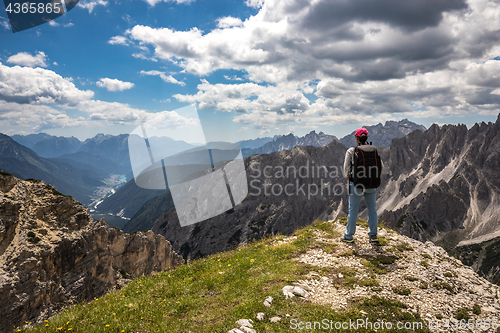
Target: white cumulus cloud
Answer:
[[254, 3], [114, 84], [91, 4], [163, 76], [228, 21], [26, 59], [154, 2], [27, 85], [120, 40], [360, 60]]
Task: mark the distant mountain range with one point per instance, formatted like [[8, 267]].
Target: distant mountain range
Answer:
[[31, 139], [256, 143], [68, 179], [288, 142], [440, 185], [78, 168], [102, 155], [382, 135]]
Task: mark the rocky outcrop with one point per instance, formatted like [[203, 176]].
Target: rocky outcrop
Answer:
[[483, 257], [444, 184], [420, 275], [53, 254], [419, 278]]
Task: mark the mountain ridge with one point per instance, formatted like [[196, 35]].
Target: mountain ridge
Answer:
[[52, 253], [288, 142], [26, 163], [382, 135]]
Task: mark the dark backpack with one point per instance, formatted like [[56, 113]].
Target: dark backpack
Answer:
[[366, 167]]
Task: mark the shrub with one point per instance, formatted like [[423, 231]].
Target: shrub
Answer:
[[123, 273], [476, 309], [34, 240], [424, 285], [31, 180], [462, 313], [410, 278], [442, 285], [424, 263], [403, 247], [401, 290]]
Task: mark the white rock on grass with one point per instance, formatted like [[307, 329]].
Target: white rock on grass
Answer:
[[235, 330], [287, 291], [290, 291], [260, 316], [302, 285], [274, 319], [268, 301], [245, 322], [247, 330]]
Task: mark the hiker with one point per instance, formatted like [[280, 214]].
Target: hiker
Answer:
[[363, 158]]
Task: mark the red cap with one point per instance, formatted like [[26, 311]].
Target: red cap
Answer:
[[361, 131]]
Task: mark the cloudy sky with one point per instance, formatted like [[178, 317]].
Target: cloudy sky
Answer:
[[253, 67]]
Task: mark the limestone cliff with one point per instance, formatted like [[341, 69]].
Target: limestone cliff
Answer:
[[53, 254]]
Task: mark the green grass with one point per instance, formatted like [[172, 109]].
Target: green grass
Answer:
[[210, 294], [376, 265], [401, 247], [443, 285]]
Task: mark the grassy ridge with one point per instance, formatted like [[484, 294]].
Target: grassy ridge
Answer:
[[212, 293]]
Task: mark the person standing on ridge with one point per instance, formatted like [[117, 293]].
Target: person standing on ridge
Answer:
[[362, 167]]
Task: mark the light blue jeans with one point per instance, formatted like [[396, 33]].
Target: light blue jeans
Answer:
[[355, 195]]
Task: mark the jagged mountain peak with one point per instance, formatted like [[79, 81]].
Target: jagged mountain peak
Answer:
[[445, 182], [382, 135], [99, 137], [290, 141]]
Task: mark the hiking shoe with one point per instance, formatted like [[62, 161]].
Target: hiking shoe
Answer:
[[346, 240], [374, 239]]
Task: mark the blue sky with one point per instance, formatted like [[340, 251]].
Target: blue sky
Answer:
[[256, 68]]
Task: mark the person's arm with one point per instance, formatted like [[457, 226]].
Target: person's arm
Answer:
[[347, 161]]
